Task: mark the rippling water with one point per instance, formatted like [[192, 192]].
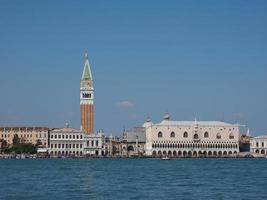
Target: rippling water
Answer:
[[133, 179]]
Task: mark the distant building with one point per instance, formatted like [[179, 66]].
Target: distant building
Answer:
[[26, 134], [191, 138], [113, 146], [244, 143], [87, 99], [66, 142], [94, 144], [259, 145], [134, 141]]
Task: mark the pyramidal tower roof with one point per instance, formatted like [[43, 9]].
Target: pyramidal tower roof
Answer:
[[87, 74]]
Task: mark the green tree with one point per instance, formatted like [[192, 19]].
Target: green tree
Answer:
[[16, 140]]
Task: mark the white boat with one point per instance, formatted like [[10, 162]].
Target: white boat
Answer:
[[165, 158]]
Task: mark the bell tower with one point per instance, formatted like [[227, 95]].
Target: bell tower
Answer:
[[87, 99]]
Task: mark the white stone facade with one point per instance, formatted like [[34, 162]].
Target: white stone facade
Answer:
[[94, 145], [259, 145], [66, 142], [191, 138]]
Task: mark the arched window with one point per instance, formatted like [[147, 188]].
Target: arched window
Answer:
[[231, 136], [206, 135], [196, 136], [185, 135], [172, 134], [218, 136], [160, 134]]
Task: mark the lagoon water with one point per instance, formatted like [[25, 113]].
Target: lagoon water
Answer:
[[133, 179]]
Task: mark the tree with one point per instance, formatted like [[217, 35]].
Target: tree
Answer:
[[16, 140]]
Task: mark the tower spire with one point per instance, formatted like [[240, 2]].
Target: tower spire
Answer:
[[87, 74]]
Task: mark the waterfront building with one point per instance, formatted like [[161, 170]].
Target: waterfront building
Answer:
[[134, 141], [113, 146], [94, 144], [191, 138], [87, 99], [258, 145], [31, 135], [66, 142]]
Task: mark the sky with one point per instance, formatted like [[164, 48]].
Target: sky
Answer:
[[193, 59]]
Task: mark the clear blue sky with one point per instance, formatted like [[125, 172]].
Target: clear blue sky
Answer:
[[204, 59]]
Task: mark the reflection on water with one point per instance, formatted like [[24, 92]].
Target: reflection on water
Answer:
[[133, 179]]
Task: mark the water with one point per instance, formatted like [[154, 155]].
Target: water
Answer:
[[133, 179]]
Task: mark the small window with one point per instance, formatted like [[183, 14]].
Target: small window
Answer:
[[196, 136], [185, 135], [172, 134], [159, 134], [262, 144], [96, 143], [206, 135], [231, 136], [218, 136]]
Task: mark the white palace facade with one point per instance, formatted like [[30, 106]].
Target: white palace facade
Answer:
[[191, 138]]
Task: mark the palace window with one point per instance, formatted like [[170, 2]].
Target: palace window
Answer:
[[218, 136], [172, 134], [231, 136], [196, 136], [160, 134], [185, 135], [262, 144], [96, 143], [206, 135]]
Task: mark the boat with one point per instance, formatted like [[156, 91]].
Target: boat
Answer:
[[165, 158]]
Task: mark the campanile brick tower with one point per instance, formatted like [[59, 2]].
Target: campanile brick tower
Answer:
[[87, 99]]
